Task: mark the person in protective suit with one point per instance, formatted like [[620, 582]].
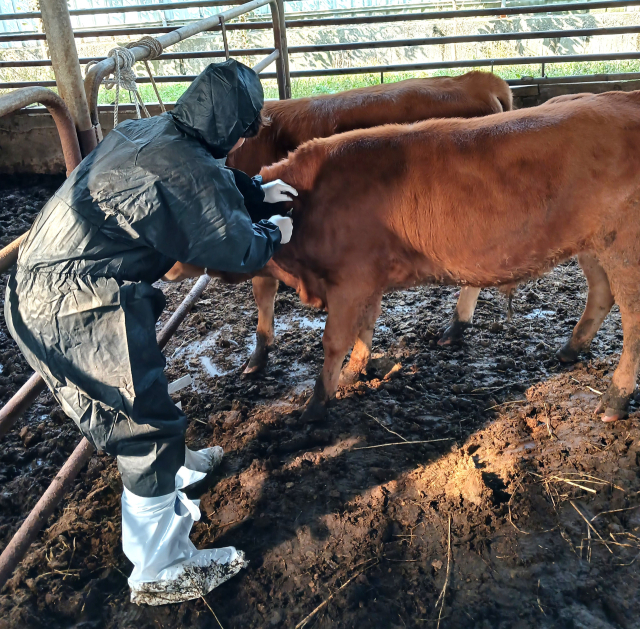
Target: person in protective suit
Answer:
[[82, 308]]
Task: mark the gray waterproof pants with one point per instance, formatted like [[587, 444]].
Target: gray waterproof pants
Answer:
[[93, 340]]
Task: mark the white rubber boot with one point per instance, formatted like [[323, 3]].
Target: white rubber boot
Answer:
[[168, 568], [203, 460]]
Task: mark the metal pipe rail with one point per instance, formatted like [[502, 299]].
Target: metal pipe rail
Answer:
[[205, 54], [60, 114], [28, 531], [134, 8], [440, 65], [375, 19]]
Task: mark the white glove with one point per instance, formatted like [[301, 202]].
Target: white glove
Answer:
[[285, 225], [278, 190]]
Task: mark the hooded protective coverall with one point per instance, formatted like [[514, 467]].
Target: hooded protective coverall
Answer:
[[81, 304]]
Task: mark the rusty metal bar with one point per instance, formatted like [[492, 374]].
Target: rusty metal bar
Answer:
[[467, 39], [436, 65], [205, 54], [385, 43], [20, 402], [27, 533], [225, 43], [284, 47], [183, 310], [280, 43], [68, 138], [9, 254], [277, 42], [59, 112]]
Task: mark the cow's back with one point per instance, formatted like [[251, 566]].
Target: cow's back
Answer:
[[290, 123], [443, 188]]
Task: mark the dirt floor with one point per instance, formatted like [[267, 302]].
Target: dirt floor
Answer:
[[517, 508]]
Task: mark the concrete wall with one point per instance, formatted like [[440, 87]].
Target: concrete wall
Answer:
[[29, 141]]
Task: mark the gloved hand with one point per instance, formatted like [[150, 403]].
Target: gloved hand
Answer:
[[277, 191], [285, 225]]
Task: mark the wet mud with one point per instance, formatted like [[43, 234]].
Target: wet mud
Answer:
[[514, 507]]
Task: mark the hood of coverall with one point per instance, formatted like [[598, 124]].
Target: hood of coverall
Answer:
[[220, 105]]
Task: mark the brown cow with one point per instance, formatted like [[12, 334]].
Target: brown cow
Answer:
[[292, 122], [483, 202]]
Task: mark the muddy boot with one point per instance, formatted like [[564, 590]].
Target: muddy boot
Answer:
[[168, 568]]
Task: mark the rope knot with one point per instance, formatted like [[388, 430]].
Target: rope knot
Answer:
[[125, 77]]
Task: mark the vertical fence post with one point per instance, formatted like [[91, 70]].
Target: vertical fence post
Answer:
[[284, 50], [280, 43], [66, 67]]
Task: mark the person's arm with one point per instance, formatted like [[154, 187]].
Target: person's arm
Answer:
[[199, 218], [251, 190], [262, 200]]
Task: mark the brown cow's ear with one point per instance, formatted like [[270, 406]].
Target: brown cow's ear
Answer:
[[266, 121]]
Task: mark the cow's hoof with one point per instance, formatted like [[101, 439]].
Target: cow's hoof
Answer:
[[453, 332], [567, 354], [257, 361], [348, 377], [613, 405], [315, 411]]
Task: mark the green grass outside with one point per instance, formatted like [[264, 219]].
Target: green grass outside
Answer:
[[332, 84]]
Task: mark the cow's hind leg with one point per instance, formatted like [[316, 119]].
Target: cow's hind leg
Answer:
[[625, 284], [362, 349], [599, 303], [345, 315], [264, 292], [462, 317]]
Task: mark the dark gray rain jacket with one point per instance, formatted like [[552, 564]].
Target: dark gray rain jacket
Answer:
[[80, 303], [152, 193]]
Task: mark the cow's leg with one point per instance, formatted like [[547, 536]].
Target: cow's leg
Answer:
[[463, 315], [264, 292], [624, 279], [615, 401], [344, 320], [599, 303], [362, 349]]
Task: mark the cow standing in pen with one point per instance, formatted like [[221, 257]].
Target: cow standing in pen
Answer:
[[483, 202], [287, 124]]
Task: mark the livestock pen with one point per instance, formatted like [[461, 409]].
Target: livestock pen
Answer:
[[513, 507]]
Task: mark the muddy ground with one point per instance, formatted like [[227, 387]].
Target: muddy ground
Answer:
[[518, 512]]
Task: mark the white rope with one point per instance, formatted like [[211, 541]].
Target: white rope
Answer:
[[124, 76]]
